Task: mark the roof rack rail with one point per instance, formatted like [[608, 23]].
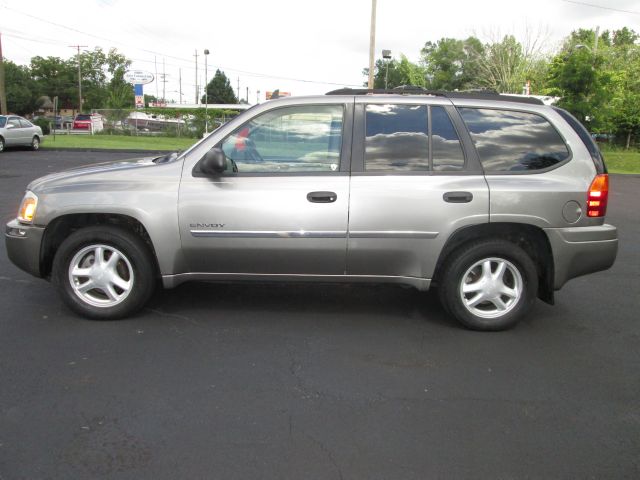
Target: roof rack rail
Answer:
[[480, 94]]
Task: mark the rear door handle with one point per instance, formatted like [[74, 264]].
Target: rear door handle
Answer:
[[458, 197], [322, 197]]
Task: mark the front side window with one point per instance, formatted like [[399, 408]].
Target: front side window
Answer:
[[510, 141], [3, 121], [288, 140]]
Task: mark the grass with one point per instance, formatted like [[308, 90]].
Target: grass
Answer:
[[622, 161], [118, 142]]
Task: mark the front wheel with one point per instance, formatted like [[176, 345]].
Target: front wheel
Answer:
[[104, 272], [35, 144], [489, 285]]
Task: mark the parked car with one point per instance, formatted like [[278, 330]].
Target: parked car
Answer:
[[92, 122], [63, 121], [17, 131], [495, 200]]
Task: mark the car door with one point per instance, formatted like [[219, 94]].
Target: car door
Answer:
[[416, 179], [13, 133], [27, 132], [281, 207]]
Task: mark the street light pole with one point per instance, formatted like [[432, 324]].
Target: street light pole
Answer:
[[206, 93], [386, 54]]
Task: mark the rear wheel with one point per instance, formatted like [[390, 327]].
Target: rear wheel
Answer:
[[35, 143], [489, 285], [1, 144], [104, 272]]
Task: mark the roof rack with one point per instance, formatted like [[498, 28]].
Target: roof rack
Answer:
[[417, 90]]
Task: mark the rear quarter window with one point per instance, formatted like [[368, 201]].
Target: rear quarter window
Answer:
[[510, 141]]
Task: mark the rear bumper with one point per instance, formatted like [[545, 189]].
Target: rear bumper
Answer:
[[23, 246], [581, 250]]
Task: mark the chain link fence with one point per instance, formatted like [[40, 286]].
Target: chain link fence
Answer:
[[161, 122]]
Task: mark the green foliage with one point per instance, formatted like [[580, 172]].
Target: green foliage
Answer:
[[451, 64], [44, 124], [601, 86], [19, 89], [219, 90], [403, 72]]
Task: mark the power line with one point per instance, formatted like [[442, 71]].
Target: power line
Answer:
[[243, 72], [601, 7]]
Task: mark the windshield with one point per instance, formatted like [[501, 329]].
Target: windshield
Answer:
[[3, 121]]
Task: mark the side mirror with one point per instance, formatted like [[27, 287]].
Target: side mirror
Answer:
[[214, 162]]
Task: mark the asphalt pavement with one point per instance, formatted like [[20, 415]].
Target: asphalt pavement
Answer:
[[317, 382]]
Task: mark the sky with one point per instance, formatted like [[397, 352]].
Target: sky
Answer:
[[302, 47]]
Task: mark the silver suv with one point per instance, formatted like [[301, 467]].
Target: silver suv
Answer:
[[495, 200]]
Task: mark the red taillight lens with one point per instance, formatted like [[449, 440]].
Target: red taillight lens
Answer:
[[598, 196]]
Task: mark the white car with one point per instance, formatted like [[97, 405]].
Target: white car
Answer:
[[16, 131]]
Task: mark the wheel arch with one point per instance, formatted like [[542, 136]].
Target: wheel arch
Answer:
[[530, 238], [61, 227]]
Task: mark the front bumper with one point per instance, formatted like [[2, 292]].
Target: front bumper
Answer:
[[23, 244], [581, 250]]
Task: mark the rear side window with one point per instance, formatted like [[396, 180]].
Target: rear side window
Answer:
[[398, 139], [582, 132], [510, 141]]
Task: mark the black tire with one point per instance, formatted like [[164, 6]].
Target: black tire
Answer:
[[473, 265], [1, 144], [35, 143], [135, 267]]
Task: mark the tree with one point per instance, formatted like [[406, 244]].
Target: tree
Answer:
[[219, 90], [403, 72], [19, 88], [506, 65], [596, 84], [451, 64]]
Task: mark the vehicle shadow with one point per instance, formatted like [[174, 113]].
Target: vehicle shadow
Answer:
[[390, 302]]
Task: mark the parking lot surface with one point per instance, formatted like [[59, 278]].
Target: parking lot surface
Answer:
[[317, 382]]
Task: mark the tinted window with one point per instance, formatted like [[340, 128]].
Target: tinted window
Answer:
[[288, 140], [3, 121], [445, 145], [509, 141], [396, 138]]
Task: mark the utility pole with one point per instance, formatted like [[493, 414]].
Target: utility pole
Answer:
[[3, 93], [238, 89], [247, 97], [180, 83], [155, 62], [164, 82], [372, 43], [197, 91], [79, 76], [595, 43]]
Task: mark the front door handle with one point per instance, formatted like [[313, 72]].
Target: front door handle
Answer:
[[322, 197], [458, 197]]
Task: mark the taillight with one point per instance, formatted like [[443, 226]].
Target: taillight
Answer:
[[598, 196]]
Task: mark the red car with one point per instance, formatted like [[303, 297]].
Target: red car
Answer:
[[85, 121]]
